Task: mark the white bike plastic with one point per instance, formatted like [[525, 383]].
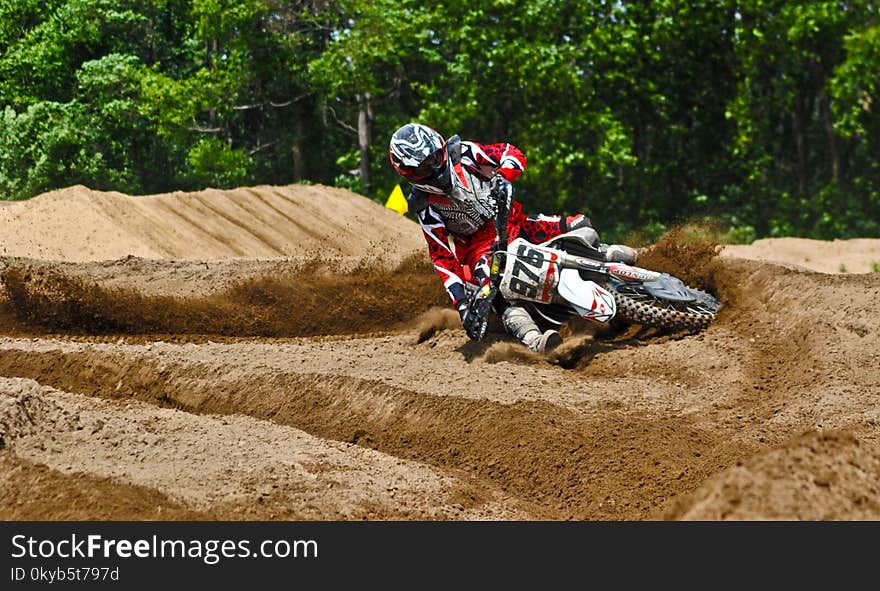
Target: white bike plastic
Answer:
[[533, 273], [588, 299]]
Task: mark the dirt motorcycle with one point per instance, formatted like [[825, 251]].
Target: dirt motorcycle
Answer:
[[568, 276]]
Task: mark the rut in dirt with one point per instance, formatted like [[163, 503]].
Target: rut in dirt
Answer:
[[562, 463], [312, 299]]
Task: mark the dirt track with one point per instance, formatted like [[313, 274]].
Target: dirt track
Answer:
[[252, 387]]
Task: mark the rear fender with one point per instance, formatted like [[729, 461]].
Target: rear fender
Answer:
[[630, 273], [671, 289]]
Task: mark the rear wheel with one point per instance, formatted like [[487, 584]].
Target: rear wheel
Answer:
[[648, 310]]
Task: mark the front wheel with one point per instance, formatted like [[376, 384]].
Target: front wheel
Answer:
[[649, 310]]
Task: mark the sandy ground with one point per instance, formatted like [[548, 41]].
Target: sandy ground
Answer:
[[860, 255], [151, 378]]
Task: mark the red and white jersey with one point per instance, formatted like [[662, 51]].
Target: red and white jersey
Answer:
[[468, 207]]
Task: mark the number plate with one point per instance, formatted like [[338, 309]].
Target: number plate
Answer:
[[530, 273]]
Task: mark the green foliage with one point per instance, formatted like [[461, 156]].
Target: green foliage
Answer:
[[40, 63], [54, 144], [856, 83], [740, 235], [759, 114], [348, 179], [213, 162], [637, 237]]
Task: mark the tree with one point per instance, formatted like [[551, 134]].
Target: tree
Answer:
[[787, 143], [379, 53]]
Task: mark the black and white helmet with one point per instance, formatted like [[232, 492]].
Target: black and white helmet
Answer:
[[418, 154]]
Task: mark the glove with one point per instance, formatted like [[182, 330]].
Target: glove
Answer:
[[502, 190], [475, 314]]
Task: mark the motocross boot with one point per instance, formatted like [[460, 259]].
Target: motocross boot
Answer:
[[518, 323], [618, 253]]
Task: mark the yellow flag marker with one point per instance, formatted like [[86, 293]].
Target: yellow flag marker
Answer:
[[397, 201]]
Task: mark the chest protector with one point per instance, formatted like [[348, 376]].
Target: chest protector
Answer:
[[470, 203]]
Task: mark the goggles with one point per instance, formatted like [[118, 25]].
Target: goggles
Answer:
[[430, 166]]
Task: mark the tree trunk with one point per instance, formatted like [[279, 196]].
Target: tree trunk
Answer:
[[801, 118], [297, 151], [829, 132], [365, 138]]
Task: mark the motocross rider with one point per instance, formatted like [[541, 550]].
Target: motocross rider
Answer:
[[453, 196]]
